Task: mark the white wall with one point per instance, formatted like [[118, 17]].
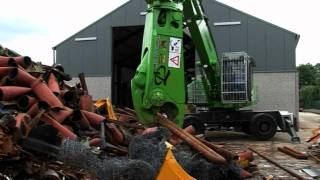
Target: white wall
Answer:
[[99, 87], [277, 91]]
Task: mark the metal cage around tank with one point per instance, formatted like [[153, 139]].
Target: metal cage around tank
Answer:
[[236, 77]]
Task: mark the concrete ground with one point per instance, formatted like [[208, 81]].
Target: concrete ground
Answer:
[[239, 142]]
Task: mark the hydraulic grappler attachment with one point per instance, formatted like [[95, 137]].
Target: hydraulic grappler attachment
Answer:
[[158, 85]]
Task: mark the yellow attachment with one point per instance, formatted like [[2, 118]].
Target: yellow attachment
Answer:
[[100, 102], [171, 169], [109, 108], [244, 163], [110, 111]]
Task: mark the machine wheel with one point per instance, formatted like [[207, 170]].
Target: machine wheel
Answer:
[[263, 126], [196, 122]]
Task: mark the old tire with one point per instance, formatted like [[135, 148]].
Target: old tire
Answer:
[[263, 126], [195, 122]]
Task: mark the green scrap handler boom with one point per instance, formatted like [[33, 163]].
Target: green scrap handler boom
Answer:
[[159, 82]]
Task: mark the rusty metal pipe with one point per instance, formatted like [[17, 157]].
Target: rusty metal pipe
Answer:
[[190, 139], [95, 142], [79, 117], [5, 71], [131, 111], [35, 109], [25, 102], [292, 152], [21, 77], [63, 130], [116, 133], [11, 92], [36, 119], [86, 103], [93, 118], [125, 117], [228, 155], [176, 140], [42, 91], [314, 138], [21, 117], [24, 61], [5, 60], [83, 82], [53, 84], [277, 164], [122, 111], [60, 114], [125, 124]]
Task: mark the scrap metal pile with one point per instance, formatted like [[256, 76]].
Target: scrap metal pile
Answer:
[[314, 149], [50, 130]]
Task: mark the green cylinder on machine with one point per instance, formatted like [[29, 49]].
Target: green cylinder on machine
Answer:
[[158, 85]]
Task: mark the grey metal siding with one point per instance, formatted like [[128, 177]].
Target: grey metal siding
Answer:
[[62, 52], [256, 43], [290, 44], [272, 47], [238, 33], [104, 47], [119, 18], [133, 16], [275, 49], [76, 57]]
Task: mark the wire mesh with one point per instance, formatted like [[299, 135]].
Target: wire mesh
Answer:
[[235, 77]]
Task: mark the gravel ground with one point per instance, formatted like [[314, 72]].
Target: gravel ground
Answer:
[[239, 142]]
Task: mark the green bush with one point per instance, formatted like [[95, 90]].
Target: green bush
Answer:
[[308, 94], [309, 81]]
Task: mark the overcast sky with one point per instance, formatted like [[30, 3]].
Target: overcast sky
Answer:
[[33, 27]]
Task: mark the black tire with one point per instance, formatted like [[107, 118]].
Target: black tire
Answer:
[[195, 122], [263, 126]]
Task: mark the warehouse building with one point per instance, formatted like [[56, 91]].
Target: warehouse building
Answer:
[[108, 52]]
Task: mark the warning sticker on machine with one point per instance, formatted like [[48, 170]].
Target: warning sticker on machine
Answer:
[[175, 52], [174, 60], [175, 45]]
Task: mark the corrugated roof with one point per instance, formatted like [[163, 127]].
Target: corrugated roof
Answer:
[[220, 3]]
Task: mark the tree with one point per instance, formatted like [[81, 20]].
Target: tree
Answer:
[[307, 95], [307, 74], [309, 81], [317, 80]]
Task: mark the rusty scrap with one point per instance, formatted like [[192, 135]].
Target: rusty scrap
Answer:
[[314, 156], [7, 146], [292, 152], [45, 111], [314, 153], [191, 140], [125, 124], [294, 174], [83, 83], [228, 155], [314, 138]]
